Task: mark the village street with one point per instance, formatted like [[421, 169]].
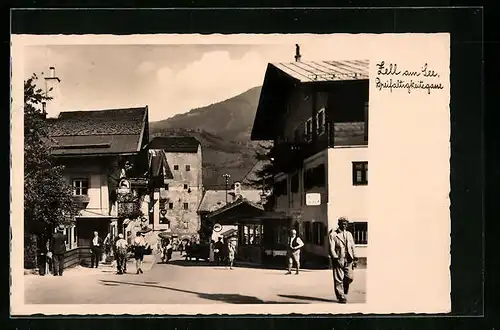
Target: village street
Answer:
[[182, 282]]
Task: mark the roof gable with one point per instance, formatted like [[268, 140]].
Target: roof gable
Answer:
[[215, 199], [322, 71], [175, 144]]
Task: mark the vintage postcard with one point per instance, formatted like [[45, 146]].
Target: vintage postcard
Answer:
[[228, 174]]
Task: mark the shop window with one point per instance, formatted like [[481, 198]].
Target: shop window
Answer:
[[359, 231], [252, 234], [318, 237], [80, 187], [307, 232], [359, 173]]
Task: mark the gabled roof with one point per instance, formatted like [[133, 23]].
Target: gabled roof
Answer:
[[234, 204], [98, 132], [186, 144], [281, 79], [320, 71], [216, 199]]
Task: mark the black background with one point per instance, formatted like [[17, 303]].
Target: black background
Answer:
[[467, 160]]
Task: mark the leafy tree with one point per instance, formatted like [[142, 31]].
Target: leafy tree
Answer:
[[265, 175], [47, 195]]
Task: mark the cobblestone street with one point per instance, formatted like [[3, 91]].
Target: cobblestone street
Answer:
[[187, 282]]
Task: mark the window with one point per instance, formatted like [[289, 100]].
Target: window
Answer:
[[252, 234], [308, 129], [318, 233], [280, 188], [188, 168], [176, 167], [307, 232], [186, 206], [320, 120], [186, 225], [315, 177], [75, 231], [162, 204], [165, 186], [80, 187], [185, 186], [296, 135], [359, 231], [170, 206], [359, 173]]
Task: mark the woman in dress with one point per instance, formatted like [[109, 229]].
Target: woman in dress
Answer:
[[139, 250]]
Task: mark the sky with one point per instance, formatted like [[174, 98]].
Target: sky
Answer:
[[170, 79]]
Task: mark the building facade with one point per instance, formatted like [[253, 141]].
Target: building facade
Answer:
[[97, 149], [319, 112], [177, 198]]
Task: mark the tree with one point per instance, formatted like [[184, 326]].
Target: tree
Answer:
[[265, 175], [48, 199]]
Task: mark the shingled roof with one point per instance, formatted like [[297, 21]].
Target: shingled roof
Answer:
[[97, 132], [175, 144]]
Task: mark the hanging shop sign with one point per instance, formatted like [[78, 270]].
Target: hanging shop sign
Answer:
[[123, 186], [217, 227]]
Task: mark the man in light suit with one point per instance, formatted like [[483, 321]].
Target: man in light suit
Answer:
[[343, 259]]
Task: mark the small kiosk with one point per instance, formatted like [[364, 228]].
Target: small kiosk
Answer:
[[261, 235]]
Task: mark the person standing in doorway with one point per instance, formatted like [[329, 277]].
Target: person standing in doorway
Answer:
[[121, 254], [343, 256], [139, 250], [293, 251], [58, 248], [95, 250]]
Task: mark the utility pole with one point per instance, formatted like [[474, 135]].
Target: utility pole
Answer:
[[226, 178]]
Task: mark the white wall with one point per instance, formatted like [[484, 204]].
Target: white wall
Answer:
[[346, 199]]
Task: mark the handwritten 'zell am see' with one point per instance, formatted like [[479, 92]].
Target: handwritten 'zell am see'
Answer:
[[390, 77]]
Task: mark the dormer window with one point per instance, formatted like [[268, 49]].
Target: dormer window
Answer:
[[320, 121]]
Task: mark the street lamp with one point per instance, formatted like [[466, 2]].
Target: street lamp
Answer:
[[226, 178]]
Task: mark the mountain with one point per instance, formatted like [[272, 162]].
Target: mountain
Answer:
[[223, 130]]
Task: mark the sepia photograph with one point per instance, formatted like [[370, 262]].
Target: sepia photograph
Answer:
[[232, 173]]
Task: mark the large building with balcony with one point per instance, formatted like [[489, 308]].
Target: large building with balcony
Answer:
[[97, 149], [317, 115]]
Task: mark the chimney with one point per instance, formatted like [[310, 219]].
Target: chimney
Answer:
[[297, 53], [52, 89]]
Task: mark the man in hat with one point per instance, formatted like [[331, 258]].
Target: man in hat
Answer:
[[58, 247], [343, 258]]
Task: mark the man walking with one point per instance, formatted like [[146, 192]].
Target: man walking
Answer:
[[293, 251], [343, 259], [121, 254], [95, 250], [58, 248]]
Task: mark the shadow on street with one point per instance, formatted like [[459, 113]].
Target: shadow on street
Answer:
[[237, 264], [304, 298], [229, 298]]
